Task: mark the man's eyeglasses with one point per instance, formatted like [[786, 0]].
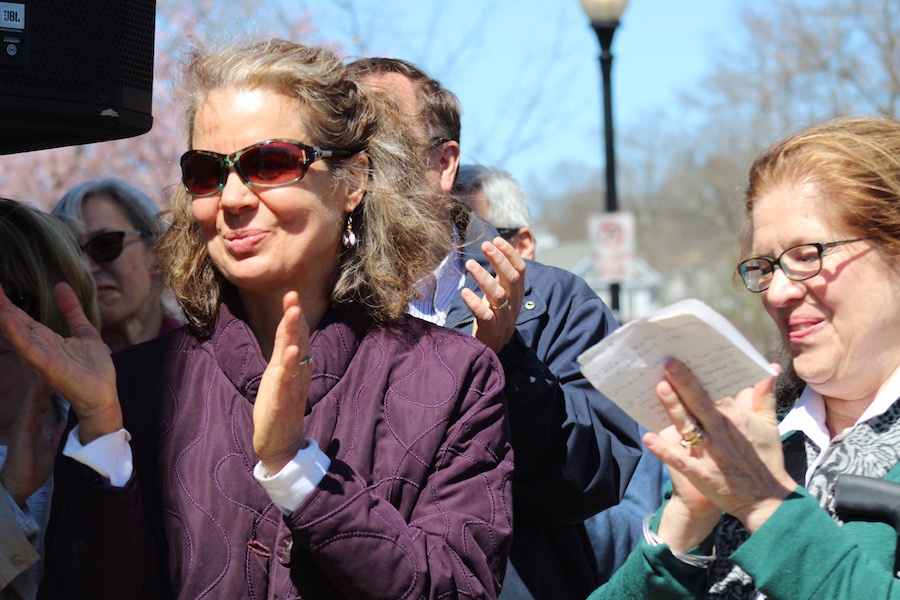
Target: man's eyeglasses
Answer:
[[267, 164], [798, 264], [107, 247], [508, 233], [437, 142]]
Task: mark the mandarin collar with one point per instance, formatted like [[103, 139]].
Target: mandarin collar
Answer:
[[333, 344]]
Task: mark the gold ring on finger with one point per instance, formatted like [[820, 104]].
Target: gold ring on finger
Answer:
[[693, 437], [503, 305]]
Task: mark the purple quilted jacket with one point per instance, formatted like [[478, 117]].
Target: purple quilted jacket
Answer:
[[416, 504]]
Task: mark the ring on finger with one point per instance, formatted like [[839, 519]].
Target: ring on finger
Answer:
[[693, 437], [502, 305], [306, 360]]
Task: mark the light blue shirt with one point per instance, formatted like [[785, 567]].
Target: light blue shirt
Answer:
[[436, 292]]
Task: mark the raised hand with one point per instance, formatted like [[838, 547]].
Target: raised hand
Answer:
[[281, 402], [79, 367], [739, 464], [496, 313], [33, 443]]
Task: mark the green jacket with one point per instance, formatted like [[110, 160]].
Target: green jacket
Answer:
[[799, 553]]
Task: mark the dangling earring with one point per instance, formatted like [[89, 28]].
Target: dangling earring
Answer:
[[349, 238]]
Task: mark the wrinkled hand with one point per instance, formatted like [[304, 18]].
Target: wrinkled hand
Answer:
[[496, 326], [739, 466], [78, 367], [688, 517], [281, 402], [33, 443]]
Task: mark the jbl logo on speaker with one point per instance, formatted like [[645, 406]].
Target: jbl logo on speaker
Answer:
[[13, 32]]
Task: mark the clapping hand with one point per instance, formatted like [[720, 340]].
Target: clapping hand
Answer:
[[736, 460], [33, 443], [496, 313], [79, 367], [280, 405]]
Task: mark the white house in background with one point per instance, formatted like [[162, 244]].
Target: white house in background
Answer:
[[639, 296]]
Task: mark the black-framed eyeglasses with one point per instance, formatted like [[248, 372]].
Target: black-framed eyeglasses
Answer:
[[107, 247], [508, 233], [798, 264], [266, 164], [437, 142]]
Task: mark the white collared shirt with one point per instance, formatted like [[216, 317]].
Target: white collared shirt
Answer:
[[808, 417]]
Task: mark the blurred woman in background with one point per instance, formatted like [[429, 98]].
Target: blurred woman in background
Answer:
[[36, 253], [117, 226]]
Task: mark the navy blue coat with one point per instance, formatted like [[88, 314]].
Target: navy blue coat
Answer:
[[575, 451]]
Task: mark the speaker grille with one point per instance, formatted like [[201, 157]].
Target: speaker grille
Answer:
[[82, 72], [76, 44]]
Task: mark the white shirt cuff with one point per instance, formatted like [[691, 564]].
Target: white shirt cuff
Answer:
[[296, 480], [109, 455]]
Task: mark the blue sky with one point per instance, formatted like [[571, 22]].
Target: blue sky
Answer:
[[664, 47], [526, 71]]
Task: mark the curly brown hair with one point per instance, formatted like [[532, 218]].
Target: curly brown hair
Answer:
[[401, 223]]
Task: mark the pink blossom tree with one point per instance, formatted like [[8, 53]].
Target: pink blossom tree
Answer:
[[149, 161]]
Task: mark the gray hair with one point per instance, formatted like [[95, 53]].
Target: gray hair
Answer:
[[141, 210], [400, 225], [506, 200]]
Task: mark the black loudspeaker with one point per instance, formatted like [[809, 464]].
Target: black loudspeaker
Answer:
[[74, 71]]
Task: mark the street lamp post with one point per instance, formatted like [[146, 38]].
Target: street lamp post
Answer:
[[604, 16]]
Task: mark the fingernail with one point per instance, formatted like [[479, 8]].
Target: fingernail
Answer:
[[674, 367]]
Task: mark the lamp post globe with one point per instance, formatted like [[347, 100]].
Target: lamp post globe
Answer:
[[603, 10]]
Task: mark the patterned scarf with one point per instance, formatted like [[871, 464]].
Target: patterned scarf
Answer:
[[871, 449]]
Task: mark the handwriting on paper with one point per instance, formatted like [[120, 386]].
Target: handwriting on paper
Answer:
[[627, 365]]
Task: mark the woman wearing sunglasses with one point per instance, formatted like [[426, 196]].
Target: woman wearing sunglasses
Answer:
[[302, 436], [36, 253], [754, 516], [117, 226]]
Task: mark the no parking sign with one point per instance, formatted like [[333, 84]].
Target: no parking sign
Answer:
[[612, 239]]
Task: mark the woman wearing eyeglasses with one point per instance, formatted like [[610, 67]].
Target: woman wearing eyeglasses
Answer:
[[117, 226], [763, 509], [36, 252], [302, 436]]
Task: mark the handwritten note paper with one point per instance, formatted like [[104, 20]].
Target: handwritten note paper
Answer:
[[627, 365]]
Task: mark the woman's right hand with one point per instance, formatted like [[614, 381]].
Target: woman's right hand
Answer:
[[78, 367], [738, 464]]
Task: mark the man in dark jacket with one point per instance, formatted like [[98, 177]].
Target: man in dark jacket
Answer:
[[574, 450]]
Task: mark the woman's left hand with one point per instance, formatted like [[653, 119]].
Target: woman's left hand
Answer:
[[739, 464], [281, 402]]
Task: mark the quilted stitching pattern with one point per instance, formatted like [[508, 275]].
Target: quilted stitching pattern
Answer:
[[417, 503]]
